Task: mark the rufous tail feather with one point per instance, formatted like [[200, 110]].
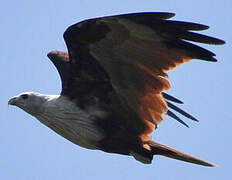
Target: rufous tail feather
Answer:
[[160, 149]]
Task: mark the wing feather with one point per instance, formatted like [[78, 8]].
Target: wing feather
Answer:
[[171, 114], [171, 98], [136, 51], [181, 111]]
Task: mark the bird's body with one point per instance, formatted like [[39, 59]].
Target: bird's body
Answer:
[[113, 83], [73, 123]]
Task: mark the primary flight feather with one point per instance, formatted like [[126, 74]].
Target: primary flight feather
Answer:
[[113, 80]]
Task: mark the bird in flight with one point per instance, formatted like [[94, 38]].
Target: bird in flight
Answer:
[[114, 78]]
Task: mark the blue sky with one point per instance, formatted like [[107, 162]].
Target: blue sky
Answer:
[[29, 150]]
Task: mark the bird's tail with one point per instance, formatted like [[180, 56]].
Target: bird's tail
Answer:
[[160, 149]]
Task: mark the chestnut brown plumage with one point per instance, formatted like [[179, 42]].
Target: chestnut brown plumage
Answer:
[[115, 72]]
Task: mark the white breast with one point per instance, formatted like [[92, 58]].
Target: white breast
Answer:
[[76, 125]]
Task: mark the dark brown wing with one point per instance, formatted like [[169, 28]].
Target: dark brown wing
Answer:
[[82, 83], [61, 60], [133, 52]]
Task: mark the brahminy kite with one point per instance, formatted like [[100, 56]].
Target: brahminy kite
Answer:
[[114, 78]]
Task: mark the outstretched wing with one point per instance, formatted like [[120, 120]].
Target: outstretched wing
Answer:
[[134, 53]]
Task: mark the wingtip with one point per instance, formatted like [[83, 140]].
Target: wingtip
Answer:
[[166, 15], [192, 118], [52, 53], [218, 42], [171, 114], [203, 27], [223, 42], [177, 109], [56, 55], [214, 59]]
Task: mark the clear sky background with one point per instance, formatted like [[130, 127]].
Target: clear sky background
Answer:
[[31, 151]]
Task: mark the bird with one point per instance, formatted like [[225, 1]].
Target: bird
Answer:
[[114, 82]]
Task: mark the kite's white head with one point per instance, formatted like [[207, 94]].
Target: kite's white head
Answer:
[[31, 102]]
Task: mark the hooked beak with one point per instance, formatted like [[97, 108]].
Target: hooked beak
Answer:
[[12, 101]]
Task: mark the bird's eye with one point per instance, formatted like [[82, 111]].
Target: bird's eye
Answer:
[[24, 96]]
